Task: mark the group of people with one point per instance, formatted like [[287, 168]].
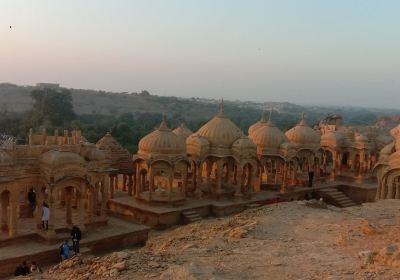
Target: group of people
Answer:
[[65, 248], [65, 252], [45, 208], [23, 269]]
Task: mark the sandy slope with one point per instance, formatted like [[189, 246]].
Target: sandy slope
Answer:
[[283, 241]]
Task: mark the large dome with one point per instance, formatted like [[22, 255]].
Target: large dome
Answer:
[[220, 130], [302, 134], [162, 141], [254, 127], [268, 138]]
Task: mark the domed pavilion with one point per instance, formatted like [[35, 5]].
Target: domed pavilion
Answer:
[[304, 152], [223, 159], [269, 141], [161, 166], [120, 161], [388, 169]]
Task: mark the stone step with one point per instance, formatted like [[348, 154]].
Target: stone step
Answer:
[[191, 216], [189, 212], [338, 198], [253, 205]]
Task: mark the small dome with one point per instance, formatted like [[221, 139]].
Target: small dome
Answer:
[[383, 139], [108, 143], [5, 158], [360, 138], [162, 141], [91, 153], [220, 130], [254, 127], [268, 138], [394, 160], [183, 131], [244, 143], [302, 134], [388, 149], [60, 158], [332, 138]]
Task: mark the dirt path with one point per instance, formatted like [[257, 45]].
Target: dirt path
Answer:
[[282, 241]]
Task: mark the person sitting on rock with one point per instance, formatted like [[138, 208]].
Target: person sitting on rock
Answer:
[[22, 269], [35, 268], [64, 250]]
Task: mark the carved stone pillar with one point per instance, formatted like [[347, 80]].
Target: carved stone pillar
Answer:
[[130, 184], [68, 206], [81, 213], [151, 183], [111, 186], [104, 195], [238, 186], [219, 178], [13, 221], [124, 183]]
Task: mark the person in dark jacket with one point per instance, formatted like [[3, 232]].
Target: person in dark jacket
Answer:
[[76, 236], [32, 200], [22, 269]]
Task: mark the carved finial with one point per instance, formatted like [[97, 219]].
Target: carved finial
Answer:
[[302, 120], [221, 108], [163, 125], [270, 115]]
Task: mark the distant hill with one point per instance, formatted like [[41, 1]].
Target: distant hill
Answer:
[[17, 98]]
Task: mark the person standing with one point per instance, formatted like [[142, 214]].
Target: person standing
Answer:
[[45, 216], [310, 178], [76, 236], [32, 200]]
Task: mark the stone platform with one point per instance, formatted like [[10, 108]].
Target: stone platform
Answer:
[[117, 234], [162, 215]]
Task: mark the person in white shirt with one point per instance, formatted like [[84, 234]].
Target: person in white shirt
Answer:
[[45, 216]]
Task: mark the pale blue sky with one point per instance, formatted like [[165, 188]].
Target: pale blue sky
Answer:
[[338, 52]]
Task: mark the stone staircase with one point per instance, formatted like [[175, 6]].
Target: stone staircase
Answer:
[[191, 216], [336, 197]]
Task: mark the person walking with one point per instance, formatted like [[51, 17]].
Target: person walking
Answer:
[[64, 250], [32, 200], [76, 236], [45, 216]]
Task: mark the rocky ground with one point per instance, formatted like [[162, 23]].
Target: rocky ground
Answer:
[[281, 241]]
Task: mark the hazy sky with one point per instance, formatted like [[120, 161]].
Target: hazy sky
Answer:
[[344, 52]]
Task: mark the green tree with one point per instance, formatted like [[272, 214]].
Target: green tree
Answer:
[[52, 106]]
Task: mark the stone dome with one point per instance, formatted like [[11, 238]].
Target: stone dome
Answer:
[[220, 130], [254, 127], [5, 158], [360, 138], [244, 143], [388, 149], [60, 158], [91, 153], [383, 139], [183, 131], [268, 137], [302, 134], [332, 138], [162, 141]]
